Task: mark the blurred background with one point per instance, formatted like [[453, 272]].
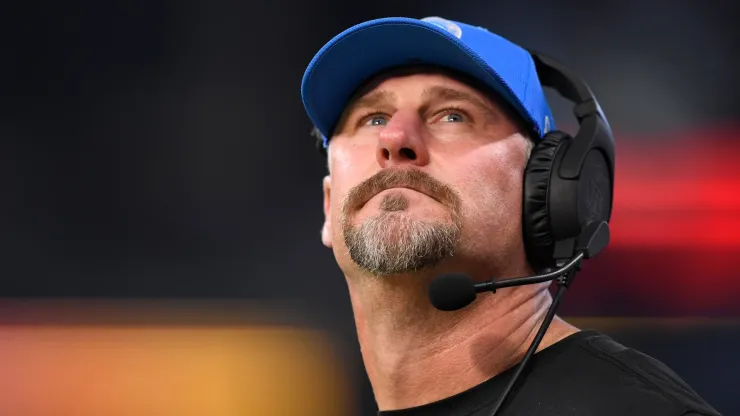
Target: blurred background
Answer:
[[159, 224]]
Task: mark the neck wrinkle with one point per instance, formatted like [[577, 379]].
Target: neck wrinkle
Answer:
[[415, 354]]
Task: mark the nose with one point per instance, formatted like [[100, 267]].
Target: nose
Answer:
[[401, 142]]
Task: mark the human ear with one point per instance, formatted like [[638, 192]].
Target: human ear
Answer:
[[326, 230]]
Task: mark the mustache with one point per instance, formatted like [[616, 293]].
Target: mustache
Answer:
[[408, 178]]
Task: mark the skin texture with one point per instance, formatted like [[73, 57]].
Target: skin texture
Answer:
[[425, 177]]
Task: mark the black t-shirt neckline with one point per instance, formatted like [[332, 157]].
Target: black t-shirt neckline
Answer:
[[486, 393]]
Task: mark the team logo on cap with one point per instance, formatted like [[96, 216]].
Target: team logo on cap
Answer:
[[444, 24]]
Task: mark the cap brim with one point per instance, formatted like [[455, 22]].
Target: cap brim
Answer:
[[360, 52]]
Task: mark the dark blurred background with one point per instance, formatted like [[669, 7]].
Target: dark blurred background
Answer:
[[159, 150]]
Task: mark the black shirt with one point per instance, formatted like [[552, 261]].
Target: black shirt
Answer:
[[587, 373]]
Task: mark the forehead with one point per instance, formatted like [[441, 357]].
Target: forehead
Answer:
[[419, 76]]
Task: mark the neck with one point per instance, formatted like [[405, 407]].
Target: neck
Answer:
[[415, 354]]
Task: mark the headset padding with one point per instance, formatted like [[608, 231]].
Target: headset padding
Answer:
[[537, 228]]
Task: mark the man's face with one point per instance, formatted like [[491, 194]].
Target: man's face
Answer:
[[425, 169]]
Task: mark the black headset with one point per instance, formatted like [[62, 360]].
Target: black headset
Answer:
[[569, 180]]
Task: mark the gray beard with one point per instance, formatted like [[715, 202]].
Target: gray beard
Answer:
[[392, 243]]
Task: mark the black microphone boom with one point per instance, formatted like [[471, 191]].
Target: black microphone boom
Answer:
[[491, 285], [451, 292]]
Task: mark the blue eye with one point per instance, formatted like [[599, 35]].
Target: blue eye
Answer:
[[377, 121], [452, 118]]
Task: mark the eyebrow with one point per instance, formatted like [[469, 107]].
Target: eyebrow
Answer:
[[373, 99], [439, 92]]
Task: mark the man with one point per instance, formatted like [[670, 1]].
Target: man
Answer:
[[426, 154]]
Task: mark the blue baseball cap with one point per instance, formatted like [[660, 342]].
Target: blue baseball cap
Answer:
[[352, 57]]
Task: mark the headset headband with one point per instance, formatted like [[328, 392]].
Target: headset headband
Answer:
[[594, 131]]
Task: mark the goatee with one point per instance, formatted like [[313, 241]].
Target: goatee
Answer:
[[392, 242]]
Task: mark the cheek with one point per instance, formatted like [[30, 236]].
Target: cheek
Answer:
[[342, 183], [350, 165], [337, 197], [493, 191]]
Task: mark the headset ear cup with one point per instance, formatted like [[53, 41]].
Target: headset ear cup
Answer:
[[539, 242]]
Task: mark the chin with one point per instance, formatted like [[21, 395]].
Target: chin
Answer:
[[394, 244]]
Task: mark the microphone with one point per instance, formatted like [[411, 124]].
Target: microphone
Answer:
[[451, 292]]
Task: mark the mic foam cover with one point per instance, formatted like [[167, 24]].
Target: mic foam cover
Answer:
[[451, 292]]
